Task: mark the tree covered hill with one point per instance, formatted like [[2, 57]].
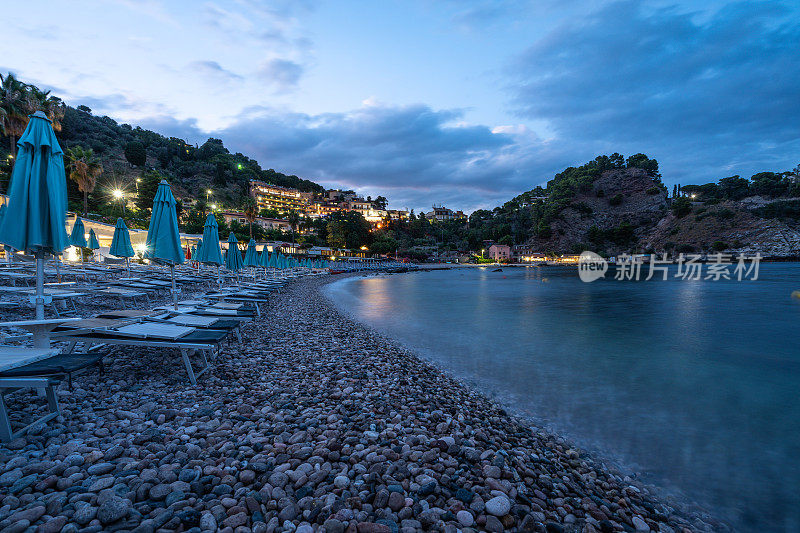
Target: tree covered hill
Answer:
[[126, 153]]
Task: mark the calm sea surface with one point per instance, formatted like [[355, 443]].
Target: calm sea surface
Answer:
[[693, 385]]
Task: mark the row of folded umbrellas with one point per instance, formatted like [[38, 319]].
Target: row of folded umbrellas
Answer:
[[121, 247]]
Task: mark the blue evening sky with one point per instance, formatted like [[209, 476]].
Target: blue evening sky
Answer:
[[466, 103]]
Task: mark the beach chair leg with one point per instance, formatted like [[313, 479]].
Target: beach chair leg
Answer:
[[52, 399], [188, 364], [5, 423]]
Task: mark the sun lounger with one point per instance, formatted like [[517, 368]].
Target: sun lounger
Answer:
[[16, 357], [150, 335], [125, 293]]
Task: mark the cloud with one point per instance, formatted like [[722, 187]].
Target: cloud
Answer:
[[485, 14], [281, 73], [212, 69], [412, 154], [699, 96]]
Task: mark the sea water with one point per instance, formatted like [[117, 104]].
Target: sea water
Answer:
[[694, 386]]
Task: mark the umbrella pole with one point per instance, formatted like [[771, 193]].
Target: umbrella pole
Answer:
[[58, 268], [174, 292], [39, 285], [128, 266]]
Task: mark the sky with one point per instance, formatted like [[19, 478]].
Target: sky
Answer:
[[465, 103]]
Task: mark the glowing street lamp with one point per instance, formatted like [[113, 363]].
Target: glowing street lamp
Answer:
[[119, 194]]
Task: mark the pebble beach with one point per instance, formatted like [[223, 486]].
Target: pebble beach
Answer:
[[313, 423]]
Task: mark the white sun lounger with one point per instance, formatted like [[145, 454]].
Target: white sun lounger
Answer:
[[15, 357]]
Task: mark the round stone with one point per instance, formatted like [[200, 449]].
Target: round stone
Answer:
[[498, 506], [465, 518]]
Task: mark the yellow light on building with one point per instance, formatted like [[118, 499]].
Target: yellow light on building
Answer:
[[117, 194]]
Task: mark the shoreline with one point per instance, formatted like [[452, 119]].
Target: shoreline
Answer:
[[313, 423], [603, 459]]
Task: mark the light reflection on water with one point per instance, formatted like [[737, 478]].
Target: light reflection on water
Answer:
[[692, 383]]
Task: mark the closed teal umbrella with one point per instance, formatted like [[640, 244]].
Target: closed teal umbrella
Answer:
[[94, 244], [251, 257], [37, 201], [196, 251], [210, 252], [264, 259], [273, 259], [121, 243], [163, 237], [78, 235], [233, 259]]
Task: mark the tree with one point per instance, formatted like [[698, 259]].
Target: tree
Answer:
[[348, 230], [293, 219], [250, 209], [136, 154], [681, 207], [645, 163], [84, 169], [734, 187], [52, 106], [380, 202], [147, 191], [15, 103]]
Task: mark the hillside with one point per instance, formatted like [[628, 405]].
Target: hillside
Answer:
[[618, 211], [612, 205], [190, 169]]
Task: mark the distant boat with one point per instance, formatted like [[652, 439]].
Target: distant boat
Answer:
[[497, 270]]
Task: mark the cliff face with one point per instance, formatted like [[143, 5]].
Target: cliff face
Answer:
[[731, 225], [622, 206], [627, 211]]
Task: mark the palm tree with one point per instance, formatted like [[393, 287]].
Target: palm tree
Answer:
[[293, 219], [52, 106], [15, 103], [250, 211], [84, 169], [18, 100]]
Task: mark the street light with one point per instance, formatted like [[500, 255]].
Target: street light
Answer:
[[119, 194], [209, 192]]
